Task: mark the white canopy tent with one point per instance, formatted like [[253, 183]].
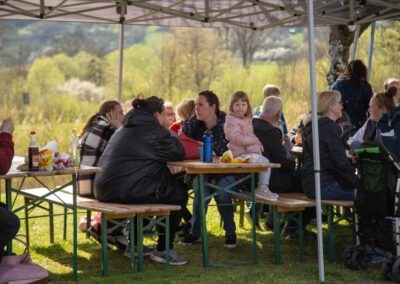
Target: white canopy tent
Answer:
[[253, 14]]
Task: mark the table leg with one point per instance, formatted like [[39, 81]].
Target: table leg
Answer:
[[253, 215], [132, 242], [139, 245], [330, 234], [9, 208], [202, 211], [104, 247], [75, 228], [301, 237], [277, 235]]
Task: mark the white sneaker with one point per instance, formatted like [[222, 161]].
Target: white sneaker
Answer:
[[264, 193]]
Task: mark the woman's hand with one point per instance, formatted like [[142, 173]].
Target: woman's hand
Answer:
[[114, 121]]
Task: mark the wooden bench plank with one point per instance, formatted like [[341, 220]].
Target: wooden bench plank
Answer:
[[302, 196]]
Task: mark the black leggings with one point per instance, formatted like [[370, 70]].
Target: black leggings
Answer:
[[9, 226]]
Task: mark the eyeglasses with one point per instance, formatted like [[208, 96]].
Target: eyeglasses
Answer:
[[170, 114]]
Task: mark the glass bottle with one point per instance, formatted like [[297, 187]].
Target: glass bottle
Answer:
[[33, 153], [75, 151]]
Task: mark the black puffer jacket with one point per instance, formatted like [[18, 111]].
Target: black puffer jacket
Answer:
[[271, 138], [135, 163], [335, 166]]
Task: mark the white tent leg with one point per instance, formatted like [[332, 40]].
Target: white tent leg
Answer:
[[315, 135], [121, 60], [371, 49], [355, 41]]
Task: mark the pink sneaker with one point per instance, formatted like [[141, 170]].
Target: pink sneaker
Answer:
[[263, 192]]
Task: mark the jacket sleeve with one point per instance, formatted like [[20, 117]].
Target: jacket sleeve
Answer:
[[274, 150], [6, 152], [337, 152], [168, 148], [235, 135]]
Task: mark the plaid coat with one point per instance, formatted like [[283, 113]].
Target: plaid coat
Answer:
[[93, 143]]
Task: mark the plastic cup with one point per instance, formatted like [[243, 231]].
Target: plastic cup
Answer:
[[200, 149]]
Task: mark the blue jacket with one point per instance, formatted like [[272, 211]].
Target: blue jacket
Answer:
[[355, 97]]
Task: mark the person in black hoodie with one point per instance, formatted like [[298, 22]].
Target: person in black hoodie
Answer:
[[135, 167], [338, 177]]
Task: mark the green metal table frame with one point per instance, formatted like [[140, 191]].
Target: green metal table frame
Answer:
[[12, 174], [203, 200]]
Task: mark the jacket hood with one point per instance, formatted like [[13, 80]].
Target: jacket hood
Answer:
[[137, 117]]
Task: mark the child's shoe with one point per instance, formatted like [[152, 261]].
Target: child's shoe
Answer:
[[263, 192]]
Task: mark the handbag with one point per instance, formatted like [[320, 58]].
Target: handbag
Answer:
[[20, 269], [190, 145]]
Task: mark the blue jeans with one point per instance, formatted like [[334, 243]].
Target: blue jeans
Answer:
[[335, 192], [226, 211]]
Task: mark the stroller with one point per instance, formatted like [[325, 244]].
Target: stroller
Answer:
[[377, 213]]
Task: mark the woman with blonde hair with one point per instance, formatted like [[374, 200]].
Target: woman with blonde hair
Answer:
[[337, 174]]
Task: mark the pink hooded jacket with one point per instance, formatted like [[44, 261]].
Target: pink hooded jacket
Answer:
[[239, 132]]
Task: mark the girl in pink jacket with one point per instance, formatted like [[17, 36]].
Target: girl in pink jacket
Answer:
[[243, 143]]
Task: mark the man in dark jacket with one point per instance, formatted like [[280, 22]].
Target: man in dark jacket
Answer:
[[135, 167], [283, 179], [266, 128]]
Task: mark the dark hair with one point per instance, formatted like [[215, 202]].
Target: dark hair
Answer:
[[241, 96], [357, 71], [105, 107], [386, 99], [212, 99], [150, 105]]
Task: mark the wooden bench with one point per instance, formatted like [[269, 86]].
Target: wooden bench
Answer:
[[108, 211], [330, 204], [293, 207]]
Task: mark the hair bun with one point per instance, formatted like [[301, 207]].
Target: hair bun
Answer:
[[139, 103], [391, 92]]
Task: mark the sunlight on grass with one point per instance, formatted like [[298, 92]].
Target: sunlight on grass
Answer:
[[57, 258]]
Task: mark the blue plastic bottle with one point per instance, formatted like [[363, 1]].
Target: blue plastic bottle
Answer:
[[207, 146]]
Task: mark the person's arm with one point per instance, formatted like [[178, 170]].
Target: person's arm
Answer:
[[235, 135], [168, 148], [337, 153], [275, 151], [6, 152]]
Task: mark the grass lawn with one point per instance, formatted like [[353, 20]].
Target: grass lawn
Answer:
[[57, 259]]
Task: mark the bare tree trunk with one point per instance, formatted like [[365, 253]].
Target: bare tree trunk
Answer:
[[340, 40]]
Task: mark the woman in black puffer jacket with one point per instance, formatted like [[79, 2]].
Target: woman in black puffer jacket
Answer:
[[135, 167], [338, 177]]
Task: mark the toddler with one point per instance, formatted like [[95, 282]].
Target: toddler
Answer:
[[243, 143]]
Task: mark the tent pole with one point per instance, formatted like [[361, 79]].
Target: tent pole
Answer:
[[315, 135], [371, 49], [121, 60], [355, 41]]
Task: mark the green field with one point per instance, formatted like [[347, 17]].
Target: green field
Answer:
[[57, 258]]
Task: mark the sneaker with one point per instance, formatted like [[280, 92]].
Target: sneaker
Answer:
[[377, 258], [146, 251], [230, 241], [184, 230], [188, 240], [174, 258], [266, 194]]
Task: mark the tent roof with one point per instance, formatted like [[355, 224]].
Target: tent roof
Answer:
[[256, 14]]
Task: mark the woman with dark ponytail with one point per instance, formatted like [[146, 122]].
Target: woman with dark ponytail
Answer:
[[135, 168]]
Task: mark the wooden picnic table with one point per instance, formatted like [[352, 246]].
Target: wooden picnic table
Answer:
[[217, 167], [37, 175]]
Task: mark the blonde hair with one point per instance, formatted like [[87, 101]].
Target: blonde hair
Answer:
[[241, 96], [271, 90], [326, 99], [391, 82], [185, 109], [271, 106]]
